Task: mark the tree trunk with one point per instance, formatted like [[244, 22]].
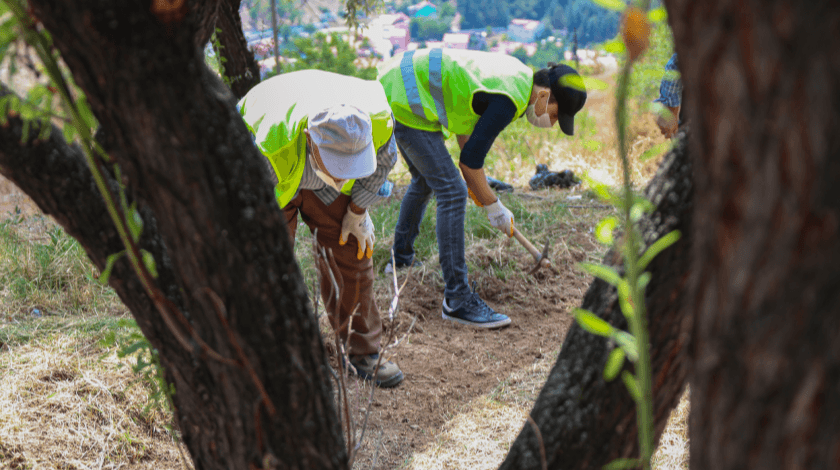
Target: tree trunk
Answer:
[[762, 82], [251, 376], [585, 422], [241, 68]]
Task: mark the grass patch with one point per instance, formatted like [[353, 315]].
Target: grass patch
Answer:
[[66, 400], [44, 271]]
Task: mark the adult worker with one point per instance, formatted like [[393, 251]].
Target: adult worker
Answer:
[[474, 95], [329, 141]]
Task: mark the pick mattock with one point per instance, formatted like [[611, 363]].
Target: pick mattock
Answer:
[[540, 257]]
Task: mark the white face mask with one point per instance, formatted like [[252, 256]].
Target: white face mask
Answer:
[[330, 181], [543, 120]]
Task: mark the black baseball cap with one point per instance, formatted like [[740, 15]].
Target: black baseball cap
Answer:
[[570, 92]]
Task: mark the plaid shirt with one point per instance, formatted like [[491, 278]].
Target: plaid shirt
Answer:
[[670, 90], [366, 191]]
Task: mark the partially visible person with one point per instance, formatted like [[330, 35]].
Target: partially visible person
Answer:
[[474, 95], [329, 141], [670, 95]]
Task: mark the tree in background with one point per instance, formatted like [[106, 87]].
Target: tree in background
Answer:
[[521, 54], [429, 29], [557, 17], [483, 13], [547, 51], [259, 13], [593, 23], [331, 53], [528, 9], [240, 70]]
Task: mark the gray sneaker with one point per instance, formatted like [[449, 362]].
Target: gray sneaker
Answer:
[[415, 263], [389, 374], [474, 312]]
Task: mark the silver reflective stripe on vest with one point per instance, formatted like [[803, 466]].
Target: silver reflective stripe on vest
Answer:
[[410, 84], [436, 84]]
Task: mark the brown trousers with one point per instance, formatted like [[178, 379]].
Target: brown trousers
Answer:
[[357, 275]]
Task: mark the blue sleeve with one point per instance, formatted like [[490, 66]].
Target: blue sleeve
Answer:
[[671, 87], [499, 113]]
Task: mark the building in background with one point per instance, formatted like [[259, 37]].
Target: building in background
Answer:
[[424, 9], [456, 40], [389, 34], [508, 47], [524, 31]]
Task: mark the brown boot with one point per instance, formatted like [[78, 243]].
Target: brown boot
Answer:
[[389, 374]]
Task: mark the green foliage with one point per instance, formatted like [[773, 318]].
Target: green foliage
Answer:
[[428, 29], [259, 12], [528, 9], [215, 60], [147, 367], [557, 17], [547, 51], [614, 364], [360, 8], [329, 53], [592, 23], [384, 218], [621, 464], [51, 272], [482, 13]]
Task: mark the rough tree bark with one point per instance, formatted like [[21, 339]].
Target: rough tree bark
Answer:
[[584, 421], [241, 68], [762, 81], [188, 160]]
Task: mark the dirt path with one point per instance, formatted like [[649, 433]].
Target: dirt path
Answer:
[[448, 366]]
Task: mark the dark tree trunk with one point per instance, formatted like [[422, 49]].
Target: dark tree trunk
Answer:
[[230, 274], [586, 422], [762, 81], [241, 68]]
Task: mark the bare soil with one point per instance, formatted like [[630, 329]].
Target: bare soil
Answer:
[[447, 366]]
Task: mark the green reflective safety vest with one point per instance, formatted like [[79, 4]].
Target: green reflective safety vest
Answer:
[[277, 111], [430, 89]]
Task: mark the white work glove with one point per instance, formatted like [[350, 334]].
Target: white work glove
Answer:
[[500, 217], [361, 227]]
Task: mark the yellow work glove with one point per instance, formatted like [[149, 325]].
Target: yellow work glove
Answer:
[[361, 227], [474, 198], [500, 217]]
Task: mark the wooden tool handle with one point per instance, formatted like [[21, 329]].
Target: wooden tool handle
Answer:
[[528, 246]]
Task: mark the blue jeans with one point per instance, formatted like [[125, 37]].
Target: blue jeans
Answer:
[[432, 171]]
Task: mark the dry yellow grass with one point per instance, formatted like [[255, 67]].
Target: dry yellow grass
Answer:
[[480, 436], [672, 453], [477, 439], [62, 406]]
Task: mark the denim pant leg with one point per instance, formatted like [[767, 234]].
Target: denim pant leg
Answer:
[[412, 210], [432, 169]]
